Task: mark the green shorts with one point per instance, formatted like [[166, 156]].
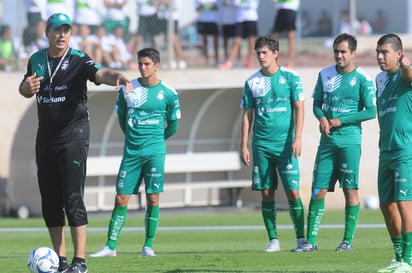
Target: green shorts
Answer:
[[395, 176], [335, 163], [267, 163], [109, 25], [134, 169]]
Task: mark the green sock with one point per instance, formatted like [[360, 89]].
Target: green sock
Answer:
[[407, 247], [315, 214], [151, 222], [351, 221], [115, 226], [269, 218], [397, 247], [297, 214]]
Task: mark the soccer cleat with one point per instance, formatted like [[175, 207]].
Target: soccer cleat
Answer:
[[391, 267], [104, 252], [403, 268], [63, 266], [344, 246], [273, 246], [306, 247], [77, 267], [299, 243], [148, 251]]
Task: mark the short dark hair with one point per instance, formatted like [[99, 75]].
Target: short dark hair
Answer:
[[392, 39], [149, 52], [345, 37], [267, 41]]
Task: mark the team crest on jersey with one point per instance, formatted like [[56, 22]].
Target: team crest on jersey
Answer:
[[352, 81], [282, 80], [161, 95], [65, 65]]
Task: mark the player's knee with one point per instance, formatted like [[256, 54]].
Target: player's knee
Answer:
[[315, 194]]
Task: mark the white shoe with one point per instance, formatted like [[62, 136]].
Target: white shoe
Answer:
[[299, 243], [273, 246], [181, 64], [391, 267], [147, 251], [403, 268], [173, 65], [104, 252]]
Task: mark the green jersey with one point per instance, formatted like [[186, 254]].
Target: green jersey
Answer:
[[273, 97], [350, 97], [142, 116], [394, 111]]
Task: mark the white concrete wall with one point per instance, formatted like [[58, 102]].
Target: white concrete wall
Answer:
[[13, 107]]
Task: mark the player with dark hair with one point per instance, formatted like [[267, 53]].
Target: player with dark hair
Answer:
[[343, 98], [143, 114], [394, 100], [273, 104], [58, 77]]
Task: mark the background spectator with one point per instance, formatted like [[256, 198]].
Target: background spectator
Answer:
[[345, 24], [101, 41], [164, 15], [115, 15], [227, 21], [285, 21], [89, 44], [86, 13], [33, 40], [118, 49], [8, 56], [365, 27], [379, 25], [148, 25], [324, 25], [306, 24], [36, 11], [207, 26], [245, 28], [60, 6]]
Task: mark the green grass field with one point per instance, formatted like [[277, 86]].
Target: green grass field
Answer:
[[238, 247]]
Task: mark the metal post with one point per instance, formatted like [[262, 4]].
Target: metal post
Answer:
[[170, 34], [352, 12]]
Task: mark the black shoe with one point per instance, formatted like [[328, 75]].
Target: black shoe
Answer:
[[63, 266], [77, 267]]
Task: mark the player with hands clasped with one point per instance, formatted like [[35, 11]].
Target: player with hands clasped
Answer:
[[394, 102], [147, 116], [273, 101], [58, 77], [343, 98]]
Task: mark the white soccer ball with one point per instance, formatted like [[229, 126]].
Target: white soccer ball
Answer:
[[43, 260], [371, 202]]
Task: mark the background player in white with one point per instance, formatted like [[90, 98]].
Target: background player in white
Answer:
[[285, 21], [246, 27], [142, 117], [394, 100], [273, 101], [344, 96]]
